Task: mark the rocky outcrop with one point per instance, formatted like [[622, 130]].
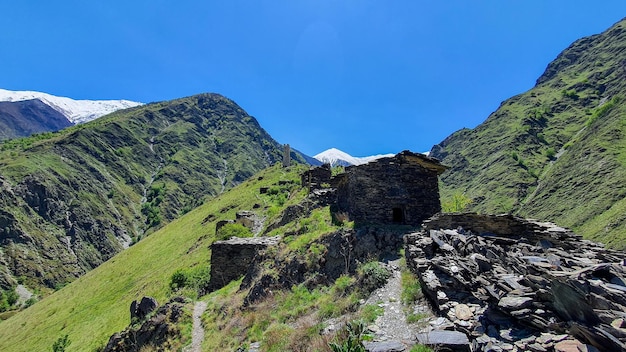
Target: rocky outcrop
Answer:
[[513, 284], [140, 310], [322, 261], [230, 259], [159, 331]]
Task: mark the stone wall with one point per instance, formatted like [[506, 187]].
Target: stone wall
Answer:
[[505, 225], [403, 189], [315, 177], [230, 259]]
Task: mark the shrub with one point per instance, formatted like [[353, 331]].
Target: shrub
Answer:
[[372, 275], [233, 230], [350, 338], [370, 312], [60, 344], [178, 279], [550, 153], [458, 203]]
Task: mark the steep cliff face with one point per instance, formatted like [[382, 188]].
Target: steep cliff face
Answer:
[[557, 151], [73, 199]]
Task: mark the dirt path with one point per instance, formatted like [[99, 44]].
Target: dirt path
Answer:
[[392, 325], [197, 334]]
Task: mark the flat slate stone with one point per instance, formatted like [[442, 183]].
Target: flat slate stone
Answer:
[[514, 302], [384, 346], [444, 338]]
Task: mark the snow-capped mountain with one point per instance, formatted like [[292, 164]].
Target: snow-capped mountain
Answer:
[[334, 156], [77, 111]]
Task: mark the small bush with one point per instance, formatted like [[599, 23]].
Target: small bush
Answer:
[[349, 339], [550, 153], [233, 230], [178, 279], [372, 275], [458, 203], [370, 312], [61, 344]]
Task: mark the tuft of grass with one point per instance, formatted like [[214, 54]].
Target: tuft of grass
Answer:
[[411, 288]]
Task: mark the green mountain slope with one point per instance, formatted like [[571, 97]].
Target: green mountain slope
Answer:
[[71, 200], [96, 305], [556, 152]]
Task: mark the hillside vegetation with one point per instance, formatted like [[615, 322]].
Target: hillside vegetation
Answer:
[[302, 287], [556, 152], [71, 200], [96, 305]]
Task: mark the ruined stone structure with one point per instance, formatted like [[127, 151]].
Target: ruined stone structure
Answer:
[[402, 189], [513, 284], [230, 259], [317, 177]]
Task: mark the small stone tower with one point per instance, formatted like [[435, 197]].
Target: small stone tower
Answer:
[[286, 155]]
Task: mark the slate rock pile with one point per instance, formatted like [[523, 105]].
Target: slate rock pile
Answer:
[[538, 287]]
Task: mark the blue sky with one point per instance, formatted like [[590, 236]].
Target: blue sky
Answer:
[[367, 77]]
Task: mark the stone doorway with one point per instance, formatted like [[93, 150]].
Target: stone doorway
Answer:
[[397, 216]]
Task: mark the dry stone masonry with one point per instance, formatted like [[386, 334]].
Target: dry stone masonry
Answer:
[[403, 189], [230, 259], [511, 284]]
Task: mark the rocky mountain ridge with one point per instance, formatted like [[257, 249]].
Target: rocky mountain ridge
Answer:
[[76, 111], [557, 151]]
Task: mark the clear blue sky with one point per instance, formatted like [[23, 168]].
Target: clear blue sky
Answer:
[[366, 77]]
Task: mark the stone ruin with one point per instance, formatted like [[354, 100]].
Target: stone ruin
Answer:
[[403, 189], [231, 258], [512, 284]]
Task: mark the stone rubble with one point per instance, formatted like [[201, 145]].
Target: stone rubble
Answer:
[[512, 284]]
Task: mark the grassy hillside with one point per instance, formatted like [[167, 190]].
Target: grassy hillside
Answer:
[[93, 307], [556, 152], [72, 199]]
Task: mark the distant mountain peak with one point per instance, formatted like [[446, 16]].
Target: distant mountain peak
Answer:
[[76, 111], [334, 157]]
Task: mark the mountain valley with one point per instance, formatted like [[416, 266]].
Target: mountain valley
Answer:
[[170, 206]]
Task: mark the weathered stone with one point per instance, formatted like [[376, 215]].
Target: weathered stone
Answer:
[[139, 310], [230, 259], [569, 346], [619, 323], [316, 177], [463, 312], [514, 302], [520, 290], [155, 331], [452, 340], [384, 346]]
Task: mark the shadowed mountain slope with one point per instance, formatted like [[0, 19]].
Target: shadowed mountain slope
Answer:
[[23, 118]]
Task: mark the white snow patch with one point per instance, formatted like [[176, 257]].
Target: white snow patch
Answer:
[[334, 156], [77, 111]]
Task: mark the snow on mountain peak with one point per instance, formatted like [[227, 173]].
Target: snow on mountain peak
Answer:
[[77, 111], [334, 156]]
